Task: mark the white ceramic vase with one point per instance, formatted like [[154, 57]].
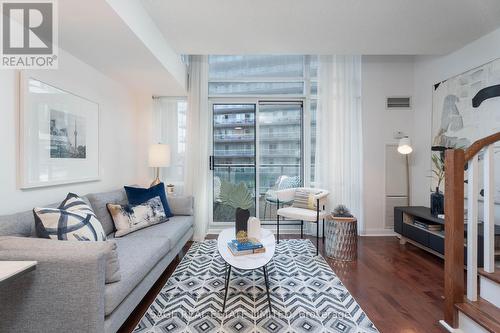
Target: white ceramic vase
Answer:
[[254, 228]]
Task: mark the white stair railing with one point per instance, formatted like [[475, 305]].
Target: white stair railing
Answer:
[[489, 209], [455, 160], [472, 218], [472, 197]]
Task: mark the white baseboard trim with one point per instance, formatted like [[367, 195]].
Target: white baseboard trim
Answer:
[[378, 232], [295, 230]]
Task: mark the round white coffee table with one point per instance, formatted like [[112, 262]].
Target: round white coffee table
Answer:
[[248, 261]]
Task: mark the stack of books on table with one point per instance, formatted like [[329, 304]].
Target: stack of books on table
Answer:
[[431, 227], [250, 246]]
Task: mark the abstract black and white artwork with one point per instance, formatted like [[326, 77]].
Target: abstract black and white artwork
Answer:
[[466, 108], [67, 135]]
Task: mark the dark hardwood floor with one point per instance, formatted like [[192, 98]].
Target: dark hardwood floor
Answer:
[[400, 287]]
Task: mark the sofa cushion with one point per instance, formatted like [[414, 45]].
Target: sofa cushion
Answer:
[[181, 205], [98, 202], [137, 256], [173, 229], [139, 252], [19, 224]]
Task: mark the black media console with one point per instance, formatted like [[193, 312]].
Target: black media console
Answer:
[[416, 225]]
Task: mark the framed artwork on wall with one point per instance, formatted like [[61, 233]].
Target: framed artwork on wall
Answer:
[[466, 108], [58, 136]]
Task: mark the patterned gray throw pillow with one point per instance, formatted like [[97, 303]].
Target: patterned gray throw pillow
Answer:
[[305, 199], [130, 218], [72, 220]]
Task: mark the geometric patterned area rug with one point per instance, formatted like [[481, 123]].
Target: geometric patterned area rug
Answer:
[[306, 296]]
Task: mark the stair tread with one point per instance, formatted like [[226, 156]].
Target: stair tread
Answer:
[[483, 312], [495, 276]]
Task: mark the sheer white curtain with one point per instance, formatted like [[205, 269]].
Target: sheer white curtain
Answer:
[[197, 143], [338, 160], [169, 127]]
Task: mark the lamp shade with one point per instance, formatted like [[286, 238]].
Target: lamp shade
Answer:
[[404, 146], [159, 155]]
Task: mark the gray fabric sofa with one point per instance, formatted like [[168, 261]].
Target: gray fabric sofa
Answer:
[[67, 291]]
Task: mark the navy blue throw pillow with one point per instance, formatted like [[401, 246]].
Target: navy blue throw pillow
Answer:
[[138, 196]]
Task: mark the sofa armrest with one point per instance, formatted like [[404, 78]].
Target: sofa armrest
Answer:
[[65, 293], [181, 205]]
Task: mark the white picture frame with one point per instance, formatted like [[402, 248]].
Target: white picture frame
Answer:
[[58, 136]]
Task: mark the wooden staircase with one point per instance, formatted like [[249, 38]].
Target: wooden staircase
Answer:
[[473, 306], [485, 316]]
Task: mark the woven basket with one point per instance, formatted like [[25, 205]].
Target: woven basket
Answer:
[[341, 235]]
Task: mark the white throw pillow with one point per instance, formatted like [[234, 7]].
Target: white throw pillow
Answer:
[[73, 220], [130, 218]]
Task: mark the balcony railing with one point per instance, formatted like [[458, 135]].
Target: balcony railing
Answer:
[[268, 174], [234, 137], [233, 122], [234, 152]]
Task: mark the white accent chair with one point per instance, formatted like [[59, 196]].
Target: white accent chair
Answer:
[[302, 214]]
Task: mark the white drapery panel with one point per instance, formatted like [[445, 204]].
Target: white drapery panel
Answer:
[[338, 161], [169, 125], [197, 143]]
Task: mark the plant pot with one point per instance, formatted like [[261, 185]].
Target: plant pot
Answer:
[[242, 216], [437, 202]]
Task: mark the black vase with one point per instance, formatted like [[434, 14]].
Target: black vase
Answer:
[[242, 216], [437, 203]]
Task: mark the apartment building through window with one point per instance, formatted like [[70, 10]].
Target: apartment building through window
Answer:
[[263, 113]]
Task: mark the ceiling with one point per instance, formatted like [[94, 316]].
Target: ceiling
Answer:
[[322, 26], [92, 31]]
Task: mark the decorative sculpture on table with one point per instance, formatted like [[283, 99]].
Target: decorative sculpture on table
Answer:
[[239, 197], [254, 228]]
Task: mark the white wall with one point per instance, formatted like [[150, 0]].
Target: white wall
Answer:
[[428, 71], [121, 140], [382, 76], [413, 76]]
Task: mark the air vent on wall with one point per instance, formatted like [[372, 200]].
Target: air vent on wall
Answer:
[[398, 103]]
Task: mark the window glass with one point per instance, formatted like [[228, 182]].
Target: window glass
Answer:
[[257, 66], [255, 88]]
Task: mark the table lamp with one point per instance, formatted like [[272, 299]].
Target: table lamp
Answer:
[[159, 157]]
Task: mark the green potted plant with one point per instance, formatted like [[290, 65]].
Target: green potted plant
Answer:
[[437, 197], [240, 198]]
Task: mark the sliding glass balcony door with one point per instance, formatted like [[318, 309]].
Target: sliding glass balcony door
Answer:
[[280, 152], [258, 144], [233, 159]]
